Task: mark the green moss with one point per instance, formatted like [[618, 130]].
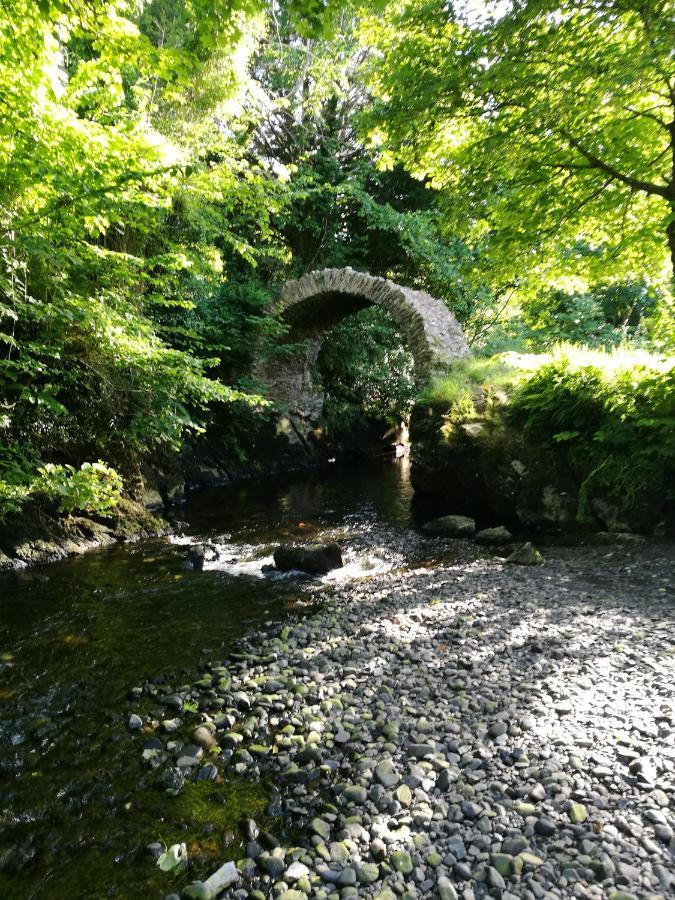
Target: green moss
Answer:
[[205, 803]]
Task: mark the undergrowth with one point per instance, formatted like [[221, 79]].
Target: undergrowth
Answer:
[[611, 413]]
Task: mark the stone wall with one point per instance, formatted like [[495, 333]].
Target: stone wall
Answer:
[[488, 469]]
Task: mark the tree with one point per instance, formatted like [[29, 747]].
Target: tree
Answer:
[[340, 210], [551, 129], [113, 189]]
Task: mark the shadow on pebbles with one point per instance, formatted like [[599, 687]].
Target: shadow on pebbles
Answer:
[[476, 730]]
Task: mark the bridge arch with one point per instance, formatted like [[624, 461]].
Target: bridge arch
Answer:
[[315, 303]]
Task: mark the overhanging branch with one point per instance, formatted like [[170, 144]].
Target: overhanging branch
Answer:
[[635, 184]]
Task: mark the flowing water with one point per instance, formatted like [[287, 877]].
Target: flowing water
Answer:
[[76, 807]]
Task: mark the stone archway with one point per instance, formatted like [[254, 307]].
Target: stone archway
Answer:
[[315, 303]]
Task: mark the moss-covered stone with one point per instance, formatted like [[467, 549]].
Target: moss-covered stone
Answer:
[[577, 813]]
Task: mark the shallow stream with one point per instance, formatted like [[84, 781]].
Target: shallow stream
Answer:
[[76, 808]]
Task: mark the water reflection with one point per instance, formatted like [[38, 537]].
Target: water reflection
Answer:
[[75, 808]]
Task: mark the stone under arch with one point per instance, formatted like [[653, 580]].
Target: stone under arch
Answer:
[[315, 303]]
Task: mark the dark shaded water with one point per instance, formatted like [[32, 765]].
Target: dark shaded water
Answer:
[[76, 808]]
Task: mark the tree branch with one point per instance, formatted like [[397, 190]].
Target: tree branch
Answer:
[[647, 114], [635, 184], [67, 200]]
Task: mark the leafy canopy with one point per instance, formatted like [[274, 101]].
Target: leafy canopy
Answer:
[[548, 125]]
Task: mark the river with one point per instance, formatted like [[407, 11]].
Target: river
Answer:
[[76, 809]]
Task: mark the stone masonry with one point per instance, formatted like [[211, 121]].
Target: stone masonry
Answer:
[[315, 303]]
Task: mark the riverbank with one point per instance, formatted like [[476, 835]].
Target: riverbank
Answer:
[[459, 730], [36, 539], [552, 442]]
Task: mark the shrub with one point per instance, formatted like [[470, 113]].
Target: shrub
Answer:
[[614, 413], [468, 377], [611, 414], [94, 487]]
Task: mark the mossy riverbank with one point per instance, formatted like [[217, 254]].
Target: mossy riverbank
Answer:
[[36, 536], [571, 439]]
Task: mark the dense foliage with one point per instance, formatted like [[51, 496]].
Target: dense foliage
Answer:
[[166, 164], [614, 413], [108, 219], [547, 127], [368, 371], [611, 414]]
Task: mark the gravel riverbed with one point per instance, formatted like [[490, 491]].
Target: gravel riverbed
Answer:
[[468, 730]]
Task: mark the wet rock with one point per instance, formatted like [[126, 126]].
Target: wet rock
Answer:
[[515, 845], [451, 526], [249, 828], [296, 871], [155, 849], [470, 810], [173, 780], [386, 774], [495, 879], [318, 826], [171, 725], [577, 813], [526, 555], [502, 862], [347, 877], [316, 559], [196, 556], [663, 833], [39, 552], [660, 797], [494, 537], [404, 795], [242, 699], [367, 873], [545, 826], [401, 861], [497, 729], [419, 751], [8, 564], [524, 809], [268, 840], [446, 889], [355, 793], [444, 780], [273, 865], [204, 737], [173, 858], [175, 701], [224, 877]]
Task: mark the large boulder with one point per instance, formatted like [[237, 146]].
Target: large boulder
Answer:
[[316, 559], [196, 555], [451, 526]]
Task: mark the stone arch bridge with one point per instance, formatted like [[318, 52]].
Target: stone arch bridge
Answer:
[[315, 303]]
